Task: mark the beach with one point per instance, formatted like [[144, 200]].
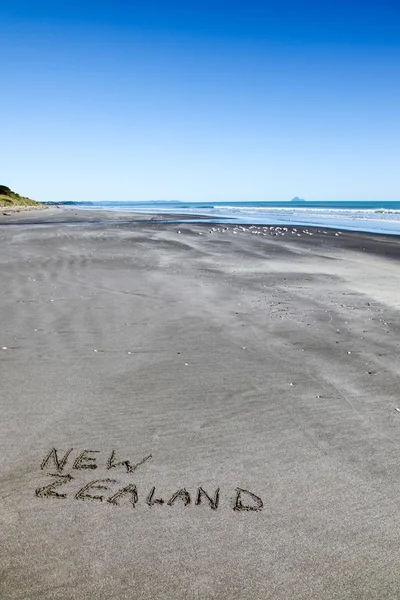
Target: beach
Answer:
[[197, 411]]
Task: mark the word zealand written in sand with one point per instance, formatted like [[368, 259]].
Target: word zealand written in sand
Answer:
[[66, 468]]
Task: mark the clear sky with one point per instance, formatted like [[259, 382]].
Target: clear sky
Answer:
[[200, 100]]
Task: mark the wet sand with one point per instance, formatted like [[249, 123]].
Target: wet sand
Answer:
[[246, 361]]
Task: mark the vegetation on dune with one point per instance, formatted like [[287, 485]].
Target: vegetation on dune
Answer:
[[10, 198]]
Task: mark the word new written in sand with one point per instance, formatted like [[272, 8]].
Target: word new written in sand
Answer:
[[66, 484]]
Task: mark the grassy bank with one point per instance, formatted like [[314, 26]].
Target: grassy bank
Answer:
[[9, 199]]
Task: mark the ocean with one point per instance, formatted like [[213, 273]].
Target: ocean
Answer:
[[368, 216]]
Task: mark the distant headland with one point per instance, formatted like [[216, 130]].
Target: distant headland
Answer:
[[297, 199]]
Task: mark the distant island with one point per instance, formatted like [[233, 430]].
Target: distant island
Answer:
[[297, 199], [11, 199]]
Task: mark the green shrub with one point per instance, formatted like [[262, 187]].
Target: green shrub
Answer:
[[5, 191]]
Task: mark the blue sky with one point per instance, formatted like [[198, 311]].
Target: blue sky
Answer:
[[221, 101]]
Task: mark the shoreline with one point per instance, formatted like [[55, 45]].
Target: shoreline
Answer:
[[384, 244], [70, 215]]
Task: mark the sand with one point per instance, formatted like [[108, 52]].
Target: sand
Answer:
[[239, 362], [6, 210]]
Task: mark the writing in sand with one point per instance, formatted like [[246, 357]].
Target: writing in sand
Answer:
[[66, 485]]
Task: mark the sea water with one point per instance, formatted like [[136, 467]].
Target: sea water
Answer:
[[368, 216]]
